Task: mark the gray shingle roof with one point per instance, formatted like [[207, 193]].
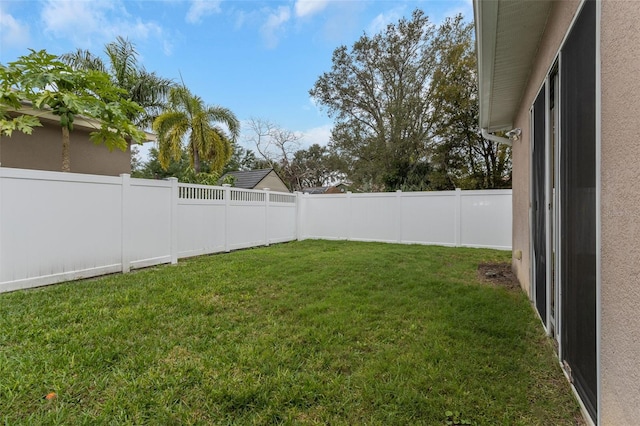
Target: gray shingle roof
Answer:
[[248, 179], [316, 190]]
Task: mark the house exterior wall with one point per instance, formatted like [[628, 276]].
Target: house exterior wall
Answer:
[[620, 201], [560, 17], [273, 182], [42, 150], [620, 212]]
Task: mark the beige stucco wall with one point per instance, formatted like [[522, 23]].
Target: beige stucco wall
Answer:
[[620, 212], [620, 199], [42, 150], [273, 182], [560, 18]]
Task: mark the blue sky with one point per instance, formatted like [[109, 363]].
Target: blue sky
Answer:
[[258, 58]]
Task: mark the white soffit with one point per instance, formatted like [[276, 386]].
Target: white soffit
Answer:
[[508, 34]]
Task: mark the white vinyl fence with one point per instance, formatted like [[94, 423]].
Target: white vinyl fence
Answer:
[[61, 226], [449, 218]]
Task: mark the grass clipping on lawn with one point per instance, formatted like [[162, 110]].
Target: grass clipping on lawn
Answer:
[[310, 332]]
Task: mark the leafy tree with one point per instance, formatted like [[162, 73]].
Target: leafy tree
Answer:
[[405, 106], [179, 168], [241, 159], [11, 99], [379, 94], [152, 169], [147, 89], [461, 157], [315, 167], [49, 84], [188, 117]]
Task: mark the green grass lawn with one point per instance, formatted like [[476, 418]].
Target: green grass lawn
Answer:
[[310, 332]]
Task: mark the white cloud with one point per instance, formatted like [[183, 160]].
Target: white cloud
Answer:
[[273, 27], [202, 8], [13, 33], [89, 24], [167, 48], [73, 18], [313, 105], [309, 7], [317, 135], [241, 17], [381, 21]]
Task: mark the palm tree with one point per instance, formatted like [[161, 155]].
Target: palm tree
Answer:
[[147, 89], [188, 116]]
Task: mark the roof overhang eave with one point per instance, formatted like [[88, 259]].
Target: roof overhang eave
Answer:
[[80, 122], [508, 35], [486, 31]]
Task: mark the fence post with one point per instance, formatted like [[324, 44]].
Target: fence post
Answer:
[[1, 179], [174, 219], [458, 218], [300, 215], [350, 216], [126, 223], [297, 231], [399, 215], [266, 216], [227, 201]]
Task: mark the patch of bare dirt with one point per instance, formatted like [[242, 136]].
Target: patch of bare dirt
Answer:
[[498, 274]]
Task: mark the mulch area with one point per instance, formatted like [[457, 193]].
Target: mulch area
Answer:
[[498, 274]]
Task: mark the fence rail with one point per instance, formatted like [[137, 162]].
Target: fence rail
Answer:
[[58, 226]]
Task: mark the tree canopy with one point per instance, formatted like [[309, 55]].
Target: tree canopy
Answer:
[[461, 157], [315, 166], [404, 103], [378, 93], [242, 159]]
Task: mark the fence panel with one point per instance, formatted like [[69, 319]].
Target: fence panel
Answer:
[[429, 218], [201, 220], [374, 217], [281, 218], [325, 216], [148, 221], [246, 220], [486, 219], [57, 226]]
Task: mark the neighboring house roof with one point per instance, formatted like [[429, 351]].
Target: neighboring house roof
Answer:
[[248, 179], [336, 189], [258, 179], [315, 190], [508, 34]]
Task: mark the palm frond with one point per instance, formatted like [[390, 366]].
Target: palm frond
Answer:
[[123, 59], [83, 60], [148, 90], [218, 114], [171, 127], [205, 141], [219, 150]]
